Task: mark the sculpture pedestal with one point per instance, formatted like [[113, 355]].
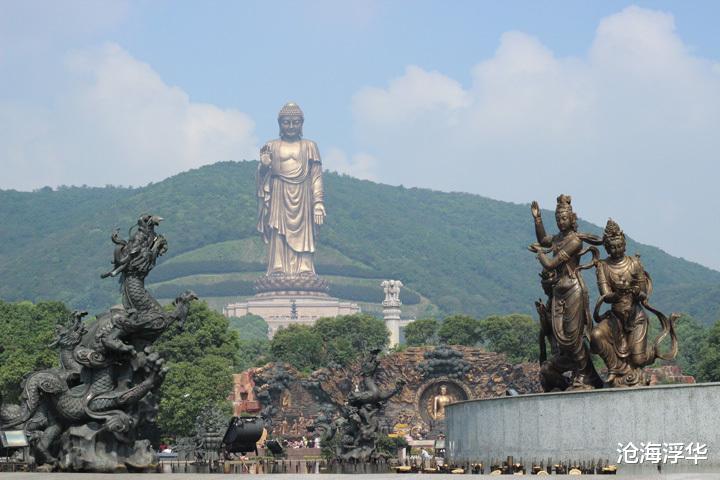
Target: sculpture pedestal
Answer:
[[280, 284], [283, 300], [590, 425]]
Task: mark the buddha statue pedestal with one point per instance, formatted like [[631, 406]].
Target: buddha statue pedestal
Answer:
[[284, 300]]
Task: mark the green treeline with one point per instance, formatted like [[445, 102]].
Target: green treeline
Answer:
[[514, 335], [204, 353], [517, 337], [331, 341]]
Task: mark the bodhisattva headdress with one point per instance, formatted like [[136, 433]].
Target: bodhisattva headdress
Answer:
[[564, 205], [612, 232]]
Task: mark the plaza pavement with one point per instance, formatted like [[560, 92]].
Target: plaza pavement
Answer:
[[393, 476]]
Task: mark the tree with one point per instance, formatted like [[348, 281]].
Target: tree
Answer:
[[421, 332], [250, 327], [253, 353], [708, 368], [190, 387], [26, 331], [514, 335], [692, 337], [201, 356], [460, 330], [340, 340], [205, 332], [299, 345], [347, 337]]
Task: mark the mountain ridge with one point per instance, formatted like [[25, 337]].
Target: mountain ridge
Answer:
[[465, 252]]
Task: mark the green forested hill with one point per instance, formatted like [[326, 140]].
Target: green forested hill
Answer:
[[455, 252]]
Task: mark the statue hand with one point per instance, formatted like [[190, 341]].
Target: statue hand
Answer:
[[535, 248], [265, 157], [319, 214], [535, 209]]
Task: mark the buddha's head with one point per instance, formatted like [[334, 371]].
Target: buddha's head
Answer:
[[614, 240], [290, 120], [564, 215], [443, 390]]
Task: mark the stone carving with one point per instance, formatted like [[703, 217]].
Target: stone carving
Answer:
[[359, 424], [392, 293], [566, 315], [85, 415], [469, 373], [620, 336], [271, 389], [435, 394], [290, 206], [444, 360]]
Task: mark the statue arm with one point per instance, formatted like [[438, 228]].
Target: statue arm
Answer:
[[262, 191], [603, 284], [318, 191], [542, 237], [572, 248], [640, 278]]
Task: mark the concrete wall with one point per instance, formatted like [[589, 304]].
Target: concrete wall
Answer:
[[588, 425]]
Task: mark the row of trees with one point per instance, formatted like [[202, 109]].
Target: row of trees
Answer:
[[203, 355], [517, 337], [331, 341], [514, 335]]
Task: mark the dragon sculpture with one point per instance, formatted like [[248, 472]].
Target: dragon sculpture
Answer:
[[85, 414], [358, 426]]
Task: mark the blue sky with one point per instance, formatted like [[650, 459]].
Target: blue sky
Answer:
[[616, 103]]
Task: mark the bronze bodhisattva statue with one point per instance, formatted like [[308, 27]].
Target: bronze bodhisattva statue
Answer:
[[566, 314], [620, 336]]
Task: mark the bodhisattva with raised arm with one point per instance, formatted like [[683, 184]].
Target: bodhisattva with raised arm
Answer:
[[620, 336], [567, 311], [290, 197]]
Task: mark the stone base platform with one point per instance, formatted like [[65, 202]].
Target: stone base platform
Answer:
[[309, 476], [283, 309], [592, 425], [274, 284]]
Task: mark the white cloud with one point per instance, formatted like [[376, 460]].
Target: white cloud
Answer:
[[360, 165], [629, 129], [116, 121]]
